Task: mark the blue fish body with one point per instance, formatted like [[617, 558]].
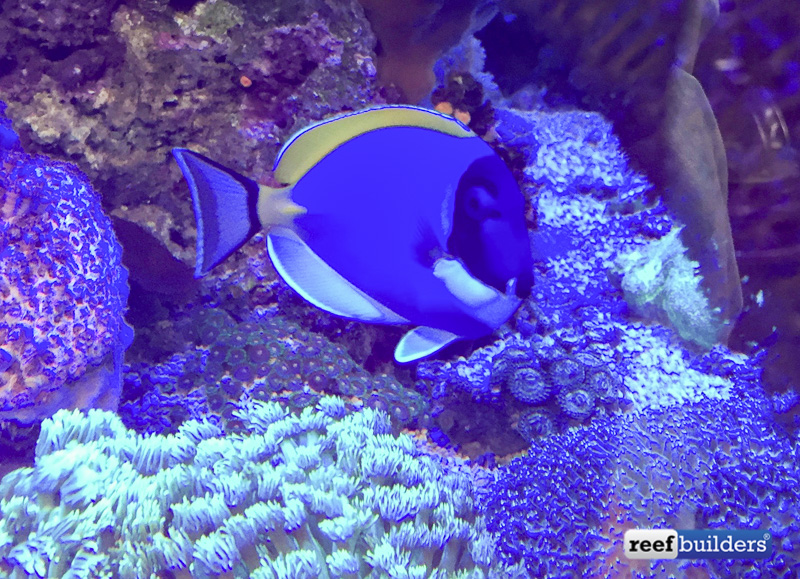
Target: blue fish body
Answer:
[[397, 224], [384, 234]]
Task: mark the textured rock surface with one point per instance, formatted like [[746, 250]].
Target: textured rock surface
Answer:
[[609, 257], [265, 359], [233, 80]]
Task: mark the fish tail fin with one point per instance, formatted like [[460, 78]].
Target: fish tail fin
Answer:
[[225, 207]]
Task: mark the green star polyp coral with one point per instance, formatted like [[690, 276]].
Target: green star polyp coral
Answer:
[[318, 494]]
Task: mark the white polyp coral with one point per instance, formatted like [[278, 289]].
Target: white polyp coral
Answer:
[[312, 495], [342, 563], [332, 406], [338, 529]]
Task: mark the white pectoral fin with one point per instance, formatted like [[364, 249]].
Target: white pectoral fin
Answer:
[[461, 284], [321, 285], [421, 342], [483, 301]]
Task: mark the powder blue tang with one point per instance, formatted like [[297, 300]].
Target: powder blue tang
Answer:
[[394, 215]]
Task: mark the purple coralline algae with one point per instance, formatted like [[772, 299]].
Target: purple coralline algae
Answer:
[[231, 79], [610, 372], [63, 291], [54, 23]]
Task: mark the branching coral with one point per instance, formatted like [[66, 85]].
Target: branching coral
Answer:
[[322, 494], [63, 291]]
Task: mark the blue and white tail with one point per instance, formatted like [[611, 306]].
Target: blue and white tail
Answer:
[[225, 207]]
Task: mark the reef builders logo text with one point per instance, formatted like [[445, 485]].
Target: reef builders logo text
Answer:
[[697, 544]]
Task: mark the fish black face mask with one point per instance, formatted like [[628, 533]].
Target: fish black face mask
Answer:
[[489, 231]]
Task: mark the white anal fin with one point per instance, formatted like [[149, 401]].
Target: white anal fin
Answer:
[[421, 342], [321, 285]]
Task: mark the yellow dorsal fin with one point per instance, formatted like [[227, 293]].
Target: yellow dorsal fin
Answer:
[[306, 148]]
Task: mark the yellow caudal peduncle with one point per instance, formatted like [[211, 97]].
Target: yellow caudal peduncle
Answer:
[[275, 206]]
